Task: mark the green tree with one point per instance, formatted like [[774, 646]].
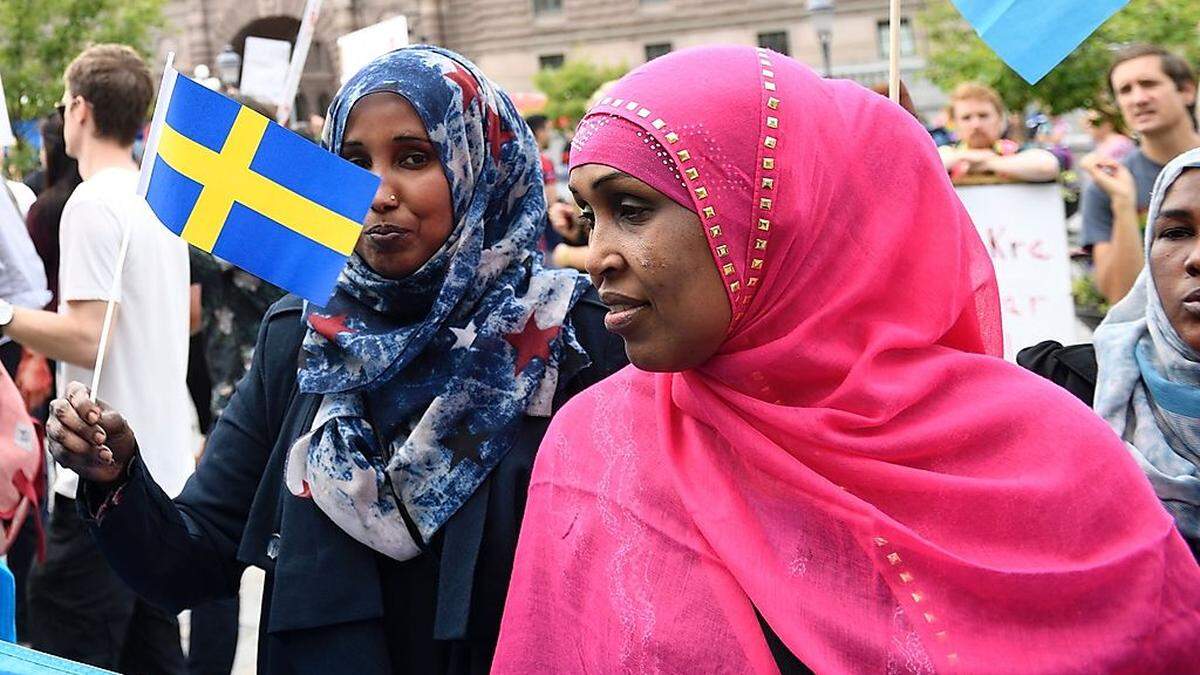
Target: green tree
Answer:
[[956, 54], [569, 86], [38, 38]]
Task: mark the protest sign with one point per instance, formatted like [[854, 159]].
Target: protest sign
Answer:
[[357, 49], [264, 69], [1023, 227], [291, 83]]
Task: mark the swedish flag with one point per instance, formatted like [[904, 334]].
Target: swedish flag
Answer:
[[231, 182]]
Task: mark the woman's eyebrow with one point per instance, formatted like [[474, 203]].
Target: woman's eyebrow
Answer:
[[1176, 214], [608, 177]]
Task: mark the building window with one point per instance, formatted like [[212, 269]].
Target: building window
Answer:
[[653, 51], [777, 41], [550, 61], [908, 45], [541, 7]]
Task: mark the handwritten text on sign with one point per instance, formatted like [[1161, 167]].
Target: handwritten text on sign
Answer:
[[1024, 229]]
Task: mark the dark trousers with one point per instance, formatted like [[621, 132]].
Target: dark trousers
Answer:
[[213, 638], [79, 609]]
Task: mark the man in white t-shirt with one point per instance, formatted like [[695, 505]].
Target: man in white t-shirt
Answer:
[[78, 607]]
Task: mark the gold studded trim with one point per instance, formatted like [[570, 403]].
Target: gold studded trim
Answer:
[[771, 138], [692, 175], [895, 565]]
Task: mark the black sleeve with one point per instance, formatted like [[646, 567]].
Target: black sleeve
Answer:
[[605, 350], [785, 660], [1072, 368], [183, 552]]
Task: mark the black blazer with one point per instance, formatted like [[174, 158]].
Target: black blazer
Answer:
[[326, 594]]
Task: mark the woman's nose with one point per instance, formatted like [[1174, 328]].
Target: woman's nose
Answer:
[[1192, 263], [603, 256], [385, 198]]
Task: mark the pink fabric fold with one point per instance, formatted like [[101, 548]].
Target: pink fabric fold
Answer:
[[856, 463]]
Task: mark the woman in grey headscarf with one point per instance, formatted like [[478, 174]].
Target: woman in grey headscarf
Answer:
[[1146, 365]]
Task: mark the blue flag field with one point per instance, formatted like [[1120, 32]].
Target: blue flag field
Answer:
[[235, 184], [1033, 36]]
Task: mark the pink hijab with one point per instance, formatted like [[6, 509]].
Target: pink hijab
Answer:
[[856, 462]]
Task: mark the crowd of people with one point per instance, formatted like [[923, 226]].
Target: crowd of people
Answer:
[[751, 437]]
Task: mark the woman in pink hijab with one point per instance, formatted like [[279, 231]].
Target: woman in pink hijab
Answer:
[[817, 429]]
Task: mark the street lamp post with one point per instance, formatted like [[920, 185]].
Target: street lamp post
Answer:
[[821, 13], [229, 67]]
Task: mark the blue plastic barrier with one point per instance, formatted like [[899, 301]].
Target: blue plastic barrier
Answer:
[[16, 660]]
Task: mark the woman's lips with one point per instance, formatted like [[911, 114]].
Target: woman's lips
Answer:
[[1191, 302], [619, 320], [388, 233], [622, 311]]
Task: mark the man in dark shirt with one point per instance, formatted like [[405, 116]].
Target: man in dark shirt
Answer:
[[1156, 93]]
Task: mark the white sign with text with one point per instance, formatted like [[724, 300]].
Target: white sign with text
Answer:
[[265, 69], [1023, 227], [359, 48]]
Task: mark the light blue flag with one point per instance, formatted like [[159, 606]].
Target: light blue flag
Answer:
[[1033, 36]]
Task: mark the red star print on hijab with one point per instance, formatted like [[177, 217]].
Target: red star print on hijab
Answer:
[[329, 326], [497, 134], [466, 82], [532, 343]]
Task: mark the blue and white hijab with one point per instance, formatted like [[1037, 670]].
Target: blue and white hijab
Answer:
[[425, 379], [1148, 385]]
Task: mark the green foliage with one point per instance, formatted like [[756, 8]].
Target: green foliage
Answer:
[[1088, 298], [569, 87], [956, 54], [38, 38]]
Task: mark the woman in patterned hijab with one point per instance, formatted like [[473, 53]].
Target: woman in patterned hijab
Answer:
[[381, 482]]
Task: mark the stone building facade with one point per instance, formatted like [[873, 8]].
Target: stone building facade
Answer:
[[512, 39]]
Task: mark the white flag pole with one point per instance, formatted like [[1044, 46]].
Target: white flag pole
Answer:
[[894, 51], [299, 56], [165, 89], [151, 149], [108, 311]]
